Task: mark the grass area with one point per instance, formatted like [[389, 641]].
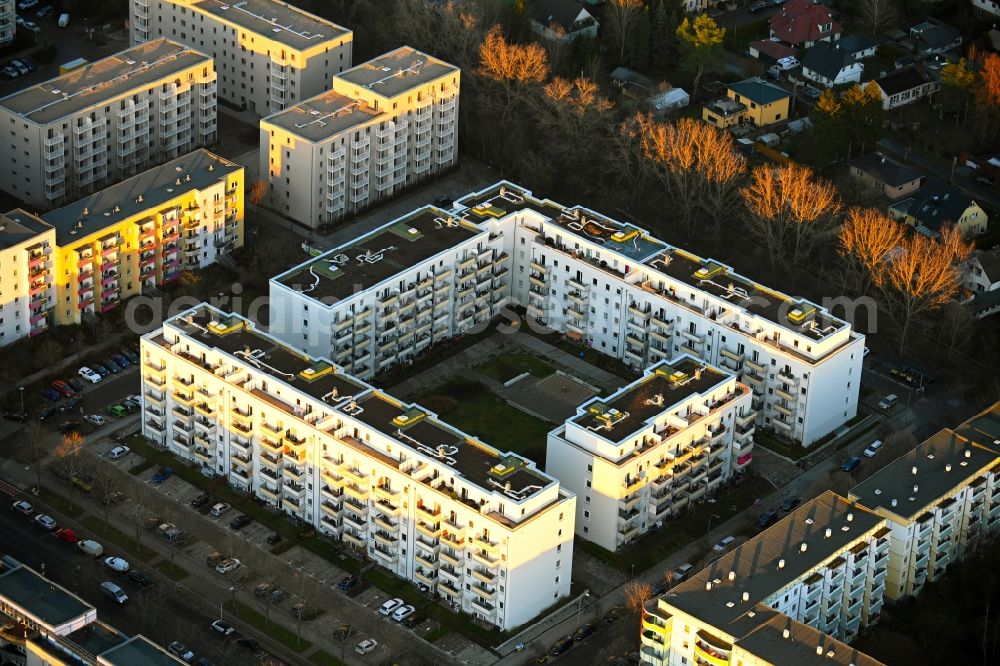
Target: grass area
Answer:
[[588, 355], [324, 659], [286, 637], [113, 535], [659, 544], [791, 450], [171, 570], [436, 634], [478, 411], [505, 367], [60, 503]]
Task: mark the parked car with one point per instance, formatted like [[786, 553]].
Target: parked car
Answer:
[[222, 628], [445, 202], [19, 417], [872, 449], [723, 544], [200, 500], [759, 6], [46, 11], [117, 411], [219, 509], [787, 63], [682, 572], [584, 632], [119, 452], [389, 606], [790, 504], [22, 507], [227, 565], [114, 591], [66, 534], [25, 5], [850, 464], [51, 395], [239, 522], [135, 400], [46, 521], [561, 646], [74, 384], [403, 612], [180, 650], [116, 564], [31, 26], [162, 474], [213, 558], [130, 355], [101, 370], [90, 547], [269, 591], [886, 403], [273, 539], [767, 519], [47, 412], [985, 181], [10, 71], [414, 620], [111, 365], [366, 646], [140, 578]]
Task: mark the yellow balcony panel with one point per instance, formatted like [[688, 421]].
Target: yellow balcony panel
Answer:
[[446, 589], [333, 481], [357, 493], [484, 592], [289, 505], [268, 444], [355, 475], [386, 493], [293, 474], [484, 576], [267, 493], [709, 657], [786, 395], [731, 355], [454, 540], [425, 561], [186, 400], [386, 557], [429, 530], [486, 558], [385, 523], [330, 509], [754, 365], [269, 462], [204, 409], [424, 578], [354, 540], [387, 540], [270, 429], [781, 409], [450, 559]]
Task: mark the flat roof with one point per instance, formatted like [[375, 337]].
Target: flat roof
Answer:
[[139, 651], [379, 255], [95, 84], [97, 637], [755, 563], [625, 412], [767, 641], [279, 21], [19, 226], [40, 597], [395, 72], [324, 116], [196, 170]]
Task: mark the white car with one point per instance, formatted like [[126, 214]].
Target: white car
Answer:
[[89, 375], [389, 606], [366, 646], [223, 628], [227, 565], [180, 650], [31, 26], [403, 612], [45, 521], [27, 4], [116, 564], [723, 544], [219, 509], [873, 448], [788, 62], [95, 419], [119, 452], [135, 400], [22, 507]]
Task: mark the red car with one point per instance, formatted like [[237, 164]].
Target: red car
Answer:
[[63, 388], [66, 534]]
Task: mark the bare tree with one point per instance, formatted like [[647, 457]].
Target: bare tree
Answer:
[[621, 18], [107, 482], [36, 435], [70, 461], [637, 594], [878, 15]]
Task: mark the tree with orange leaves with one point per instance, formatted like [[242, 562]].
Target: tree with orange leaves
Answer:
[[789, 210], [69, 460], [637, 593], [922, 276], [866, 237], [512, 69]]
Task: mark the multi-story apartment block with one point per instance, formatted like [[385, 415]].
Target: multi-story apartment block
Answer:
[[27, 265], [44, 624], [269, 54], [942, 500], [8, 18], [651, 449], [790, 595], [385, 125], [487, 530], [604, 282], [105, 121]]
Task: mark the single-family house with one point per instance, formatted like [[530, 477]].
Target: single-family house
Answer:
[[859, 46], [753, 101], [877, 171], [982, 271], [987, 6], [932, 36], [802, 23], [905, 86], [829, 65], [562, 20], [667, 100], [769, 51], [937, 205]]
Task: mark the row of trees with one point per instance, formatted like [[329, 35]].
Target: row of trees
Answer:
[[970, 90]]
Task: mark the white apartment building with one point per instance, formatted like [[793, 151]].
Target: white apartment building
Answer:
[[607, 283], [941, 500], [486, 530], [385, 125], [794, 594], [648, 451], [70, 135], [269, 54], [8, 18], [26, 269]]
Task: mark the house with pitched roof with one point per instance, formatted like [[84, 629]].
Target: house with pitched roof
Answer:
[[562, 20], [905, 86], [933, 36], [982, 271], [829, 65], [802, 23], [938, 205], [752, 100], [859, 46], [987, 6], [877, 171]]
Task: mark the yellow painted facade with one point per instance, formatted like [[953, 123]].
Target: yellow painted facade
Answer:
[[736, 109]]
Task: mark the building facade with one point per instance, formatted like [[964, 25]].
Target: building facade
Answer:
[[652, 449], [611, 285], [107, 120], [27, 267], [8, 18], [269, 54], [818, 573], [385, 125], [486, 530]]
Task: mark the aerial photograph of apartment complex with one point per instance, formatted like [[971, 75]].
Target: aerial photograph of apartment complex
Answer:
[[686, 354]]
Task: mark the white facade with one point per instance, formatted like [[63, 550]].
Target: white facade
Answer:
[[106, 121], [988, 6], [486, 530], [385, 125], [27, 263], [642, 301], [269, 54], [849, 73], [8, 18], [649, 451]]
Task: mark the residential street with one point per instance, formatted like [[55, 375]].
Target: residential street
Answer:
[[964, 176]]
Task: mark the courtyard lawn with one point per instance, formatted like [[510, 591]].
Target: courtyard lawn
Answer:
[[505, 367], [473, 408]]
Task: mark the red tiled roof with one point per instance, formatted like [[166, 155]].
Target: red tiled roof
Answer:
[[774, 49], [800, 20]]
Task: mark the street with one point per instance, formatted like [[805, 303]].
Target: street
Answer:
[[964, 178]]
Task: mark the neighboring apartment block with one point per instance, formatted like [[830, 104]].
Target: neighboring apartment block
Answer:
[[794, 594], [485, 529], [385, 125], [44, 624], [269, 54], [652, 449], [27, 267], [435, 273], [941, 500], [7, 22], [105, 121]]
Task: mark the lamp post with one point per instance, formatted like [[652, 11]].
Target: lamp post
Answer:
[[579, 606], [20, 389]]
